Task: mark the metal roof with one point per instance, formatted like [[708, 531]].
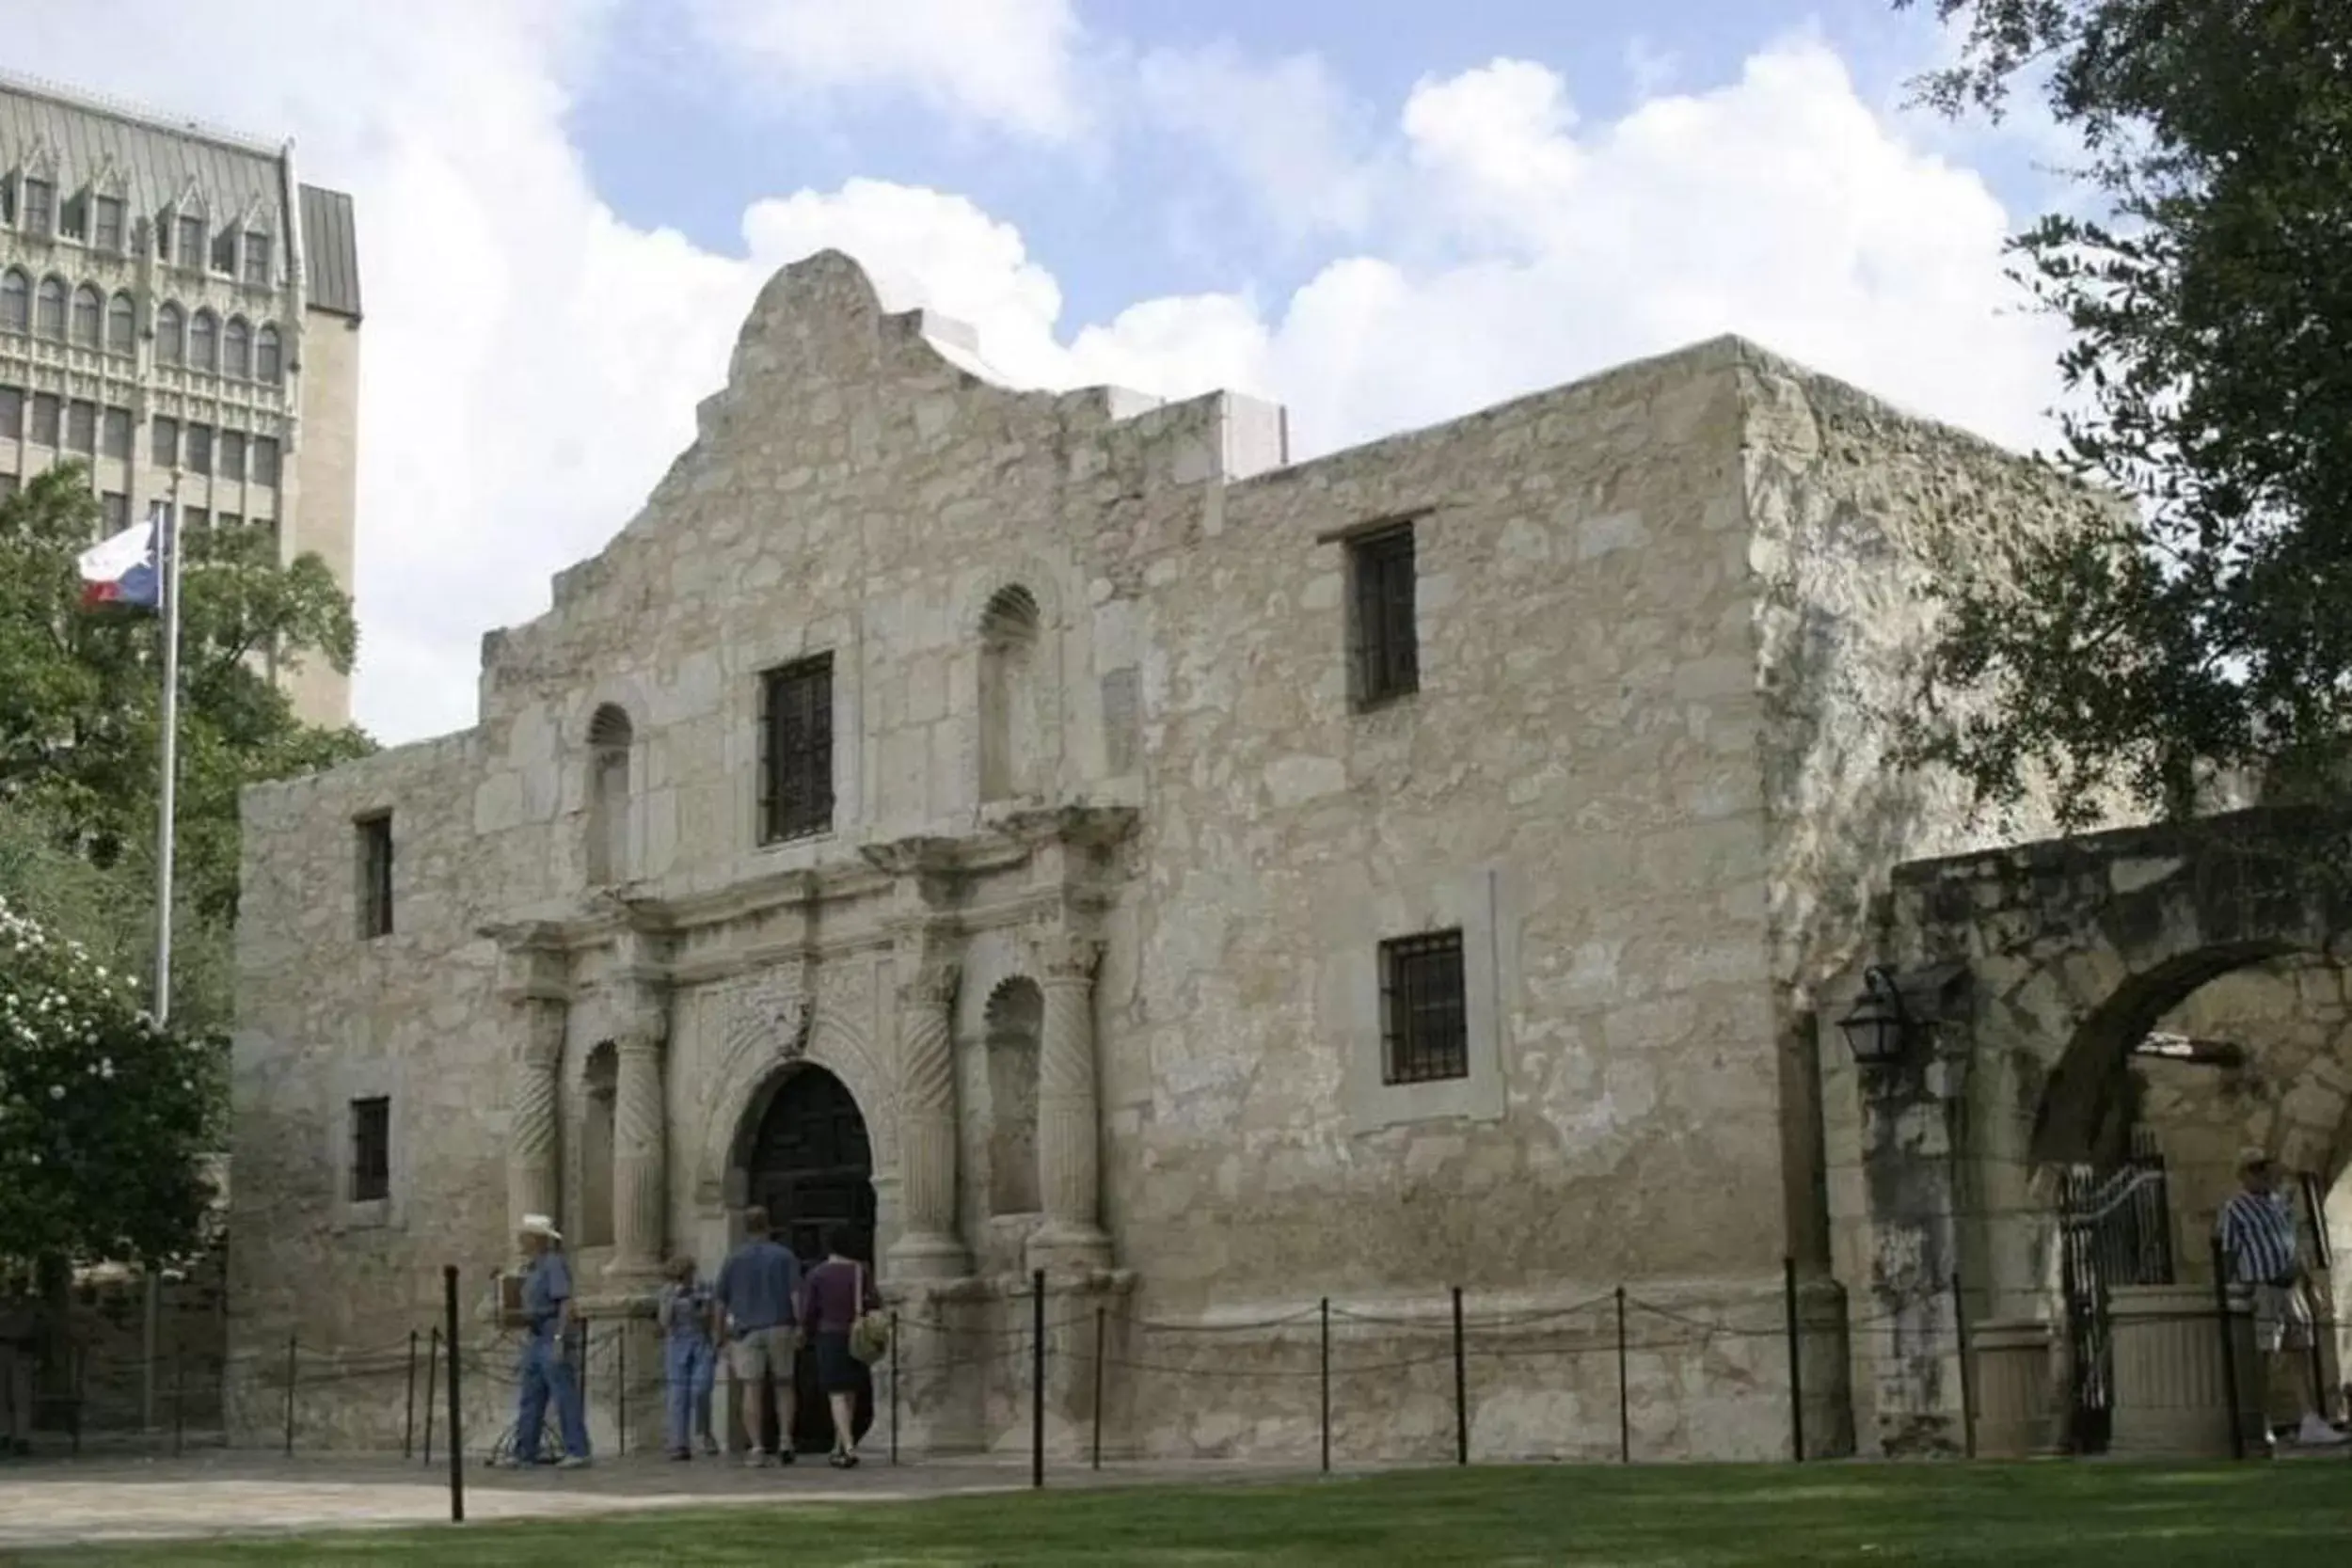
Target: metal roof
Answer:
[[153, 161], [330, 251]]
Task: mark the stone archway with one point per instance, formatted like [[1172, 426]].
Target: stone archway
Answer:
[[806, 1158], [2067, 952]]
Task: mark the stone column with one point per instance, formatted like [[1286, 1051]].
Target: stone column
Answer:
[[534, 1059], [1067, 1120], [927, 1247], [639, 1134]]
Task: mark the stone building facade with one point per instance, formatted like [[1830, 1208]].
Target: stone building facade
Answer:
[[1066, 835], [180, 315]]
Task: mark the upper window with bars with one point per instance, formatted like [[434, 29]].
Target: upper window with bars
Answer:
[[1384, 648], [796, 751]]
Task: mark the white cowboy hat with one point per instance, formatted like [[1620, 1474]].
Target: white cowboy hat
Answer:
[[538, 1224]]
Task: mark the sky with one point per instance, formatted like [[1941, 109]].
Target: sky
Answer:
[[1382, 214]]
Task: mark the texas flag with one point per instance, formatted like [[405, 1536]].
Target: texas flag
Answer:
[[121, 570]]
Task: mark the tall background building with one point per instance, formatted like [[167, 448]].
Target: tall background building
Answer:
[[173, 295]]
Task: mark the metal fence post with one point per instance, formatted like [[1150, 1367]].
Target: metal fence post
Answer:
[[408, 1426], [1326, 1385], [179, 1401], [1461, 1387], [620, 1388], [290, 1394], [893, 1387], [1102, 1335], [1796, 1361], [1624, 1393], [1967, 1374], [432, 1364], [1037, 1378], [456, 1427], [2229, 1352]]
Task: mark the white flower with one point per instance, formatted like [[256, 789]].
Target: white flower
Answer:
[[56, 1091]]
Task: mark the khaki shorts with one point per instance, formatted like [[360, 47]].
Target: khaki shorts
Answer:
[[2282, 1320], [763, 1352]]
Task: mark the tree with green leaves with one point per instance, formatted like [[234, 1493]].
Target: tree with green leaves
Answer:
[[81, 721], [2205, 627], [104, 1115]]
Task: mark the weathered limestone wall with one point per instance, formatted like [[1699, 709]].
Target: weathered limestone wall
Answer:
[[325, 1018], [1855, 510]]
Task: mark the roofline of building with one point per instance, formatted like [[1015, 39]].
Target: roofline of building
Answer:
[[153, 119]]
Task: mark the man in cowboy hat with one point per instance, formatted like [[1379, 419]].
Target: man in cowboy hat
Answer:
[[547, 1368], [2256, 1230]]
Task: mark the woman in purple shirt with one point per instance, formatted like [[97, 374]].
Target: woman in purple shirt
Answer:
[[834, 1295]]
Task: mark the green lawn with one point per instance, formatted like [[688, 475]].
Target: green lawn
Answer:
[[2077, 1515]]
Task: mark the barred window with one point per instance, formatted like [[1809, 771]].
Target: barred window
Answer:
[[796, 751], [117, 436], [40, 204], [163, 441], [172, 341], [257, 258], [81, 427], [1387, 657], [11, 413], [231, 464], [375, 875], [1424, 1033], [107, 224], [371, 1150], [265, 461]]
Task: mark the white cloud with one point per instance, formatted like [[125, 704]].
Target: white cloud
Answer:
[[1006, 63], [1287, 128], [532, 362]]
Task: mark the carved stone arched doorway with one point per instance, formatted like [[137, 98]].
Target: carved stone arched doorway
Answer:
[[807, 1159]]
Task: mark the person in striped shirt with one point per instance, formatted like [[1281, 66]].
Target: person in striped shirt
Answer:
[[2256, 1230]]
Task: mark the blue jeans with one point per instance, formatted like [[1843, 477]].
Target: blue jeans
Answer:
[[543, 1372], [693, 1367]]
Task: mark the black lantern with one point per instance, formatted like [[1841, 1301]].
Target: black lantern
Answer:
[[1877, 1027]]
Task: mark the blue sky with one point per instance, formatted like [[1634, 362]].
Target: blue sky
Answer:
[[1381, 214]]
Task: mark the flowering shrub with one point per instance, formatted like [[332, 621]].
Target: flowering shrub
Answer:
[[104, 1114]]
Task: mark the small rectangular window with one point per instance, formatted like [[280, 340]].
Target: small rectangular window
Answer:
[[375, 875], [265, 461], [107, 224], [199, 448], [41, 206], [1387, 651], [11, 413], [371, 1150], [47, 413], [1425, 1031], [796, 751], [257, 258], [81, 427], [163, 442], [117, 436], [231, 464], [114, 507], [195, 517], [190, 242]]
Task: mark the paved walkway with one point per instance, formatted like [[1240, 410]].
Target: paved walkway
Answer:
[[67, 1502]]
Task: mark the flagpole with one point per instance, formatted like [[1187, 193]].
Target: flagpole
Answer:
[[168, 564], [166, 824]]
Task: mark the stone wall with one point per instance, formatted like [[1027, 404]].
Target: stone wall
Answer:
[[1044, 608]]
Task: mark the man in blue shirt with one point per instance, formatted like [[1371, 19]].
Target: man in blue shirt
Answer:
[[752, 1319], [2256, 1228], [547, 1364]]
